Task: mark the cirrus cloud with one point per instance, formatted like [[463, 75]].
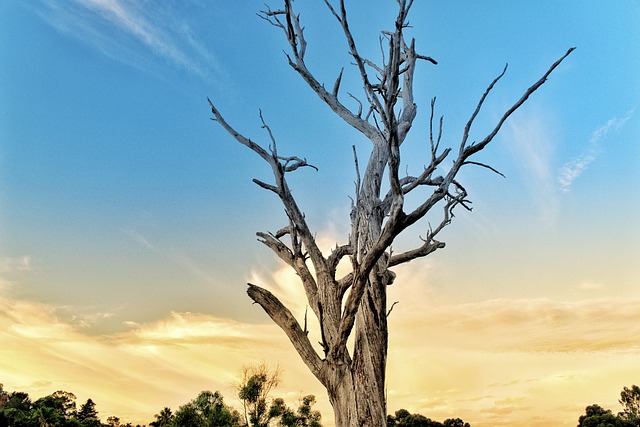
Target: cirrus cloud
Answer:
[[137, 33], [572, 170]]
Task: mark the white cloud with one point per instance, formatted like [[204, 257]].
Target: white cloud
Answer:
[[572, 170], [492, 363], [174, 255], [531, 141], [11, 264], [154, 364], [498, 362], [589, 286], [10, 267], [127, 31]]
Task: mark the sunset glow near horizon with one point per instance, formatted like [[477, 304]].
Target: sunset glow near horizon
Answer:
[[128, 218]]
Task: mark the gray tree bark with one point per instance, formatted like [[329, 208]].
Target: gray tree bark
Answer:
[[355, 305]]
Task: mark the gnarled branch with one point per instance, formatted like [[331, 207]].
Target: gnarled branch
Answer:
[[282, 317]]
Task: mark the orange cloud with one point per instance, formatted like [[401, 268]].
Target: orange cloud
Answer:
[[136, 373], [501, 362], [535, 362]]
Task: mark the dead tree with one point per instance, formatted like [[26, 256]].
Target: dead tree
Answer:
[[355, 305]]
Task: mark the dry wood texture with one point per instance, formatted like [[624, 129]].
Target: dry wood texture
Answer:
[[355, 306]]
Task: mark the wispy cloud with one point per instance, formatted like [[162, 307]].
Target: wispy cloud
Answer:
[[196, 351], [536, 325], [572, 170], [492, 363], [531, 141], [497, 362], [133, 32], [174, 255], [11, 267], [589, 286], [12, 264]]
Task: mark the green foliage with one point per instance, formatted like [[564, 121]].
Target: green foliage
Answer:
[[187, 415], [404, 418], [87, 412], [163, 418], [253, 389], [597, 416], [305, 416], [206, 410], [455, 422], [18, 400], [630, 401], [57, 409]]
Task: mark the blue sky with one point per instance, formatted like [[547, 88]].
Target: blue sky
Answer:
[[124, 208]]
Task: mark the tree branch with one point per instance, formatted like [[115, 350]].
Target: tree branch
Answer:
[[336, 255], [477, 147], [427, 248], [279, 248], [282, 317], [281, 188], [296, 39], [466, 151], [237, 135]]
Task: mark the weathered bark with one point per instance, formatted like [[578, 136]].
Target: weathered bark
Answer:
[[355, 305]]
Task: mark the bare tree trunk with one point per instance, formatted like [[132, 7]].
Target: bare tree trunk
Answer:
[[370, 356], [356, 305], [357, 388], [368, 369]]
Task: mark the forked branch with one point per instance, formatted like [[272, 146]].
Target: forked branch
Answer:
[[376, 218], [474, 148]]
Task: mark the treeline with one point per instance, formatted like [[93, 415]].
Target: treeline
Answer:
[[403, 418], [208, 409], [57, 409], [596, 416]]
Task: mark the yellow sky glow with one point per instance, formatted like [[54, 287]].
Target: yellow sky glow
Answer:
[[492, 363]]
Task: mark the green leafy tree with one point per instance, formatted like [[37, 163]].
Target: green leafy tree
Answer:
[[65, 402], [280, 410], [597, 416], [254, 388], [14, 408], [187, 416], [46, 416], [18, 400], [404, 418], [206, 410], [14, 417], [56, 409], [163, 418], [304, 417], [88, 415], [113, 421], [214, 411], [630, 401]]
